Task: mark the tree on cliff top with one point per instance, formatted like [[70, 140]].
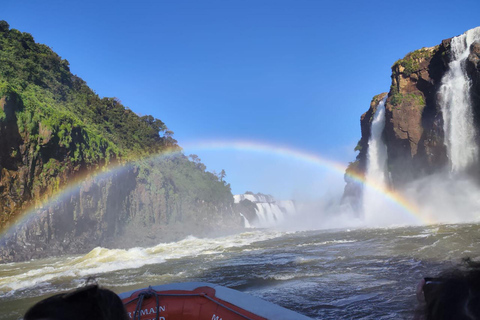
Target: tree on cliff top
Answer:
[[41, 77], [53, 127]]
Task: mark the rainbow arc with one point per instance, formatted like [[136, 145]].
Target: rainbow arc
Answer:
[[244, 146]]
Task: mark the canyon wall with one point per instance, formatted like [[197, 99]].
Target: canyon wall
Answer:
[[434, 95]]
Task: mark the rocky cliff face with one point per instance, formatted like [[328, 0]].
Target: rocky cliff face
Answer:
[[33, 163], [56, 134], [473, 71], [135, 205], [143, 203], [414, 128], [414, 125]]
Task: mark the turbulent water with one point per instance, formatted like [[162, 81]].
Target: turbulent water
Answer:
[[336, 274], [456, 105]]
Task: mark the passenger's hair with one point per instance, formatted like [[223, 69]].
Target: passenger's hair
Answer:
[[455, 294], [90, 302]]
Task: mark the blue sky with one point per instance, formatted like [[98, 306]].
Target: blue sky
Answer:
[[295, 73]]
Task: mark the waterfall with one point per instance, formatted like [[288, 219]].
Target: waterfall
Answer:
[[376, 163], [268, 211], [456, 106], [269, 214], [253, 197], [246, 224]]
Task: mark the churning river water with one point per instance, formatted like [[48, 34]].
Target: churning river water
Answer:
[[333, 274]]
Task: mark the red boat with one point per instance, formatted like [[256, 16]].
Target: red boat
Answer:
[[200, 301]]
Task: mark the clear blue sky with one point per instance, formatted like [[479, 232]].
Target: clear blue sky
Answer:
[[295, 73]]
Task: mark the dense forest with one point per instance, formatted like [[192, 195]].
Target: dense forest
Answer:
[[54, 130]]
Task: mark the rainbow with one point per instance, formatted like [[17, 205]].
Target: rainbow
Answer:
[[395, 197], [244, 146], [74, 186]]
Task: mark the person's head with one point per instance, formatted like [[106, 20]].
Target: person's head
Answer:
[[454, 294], [90, 302]]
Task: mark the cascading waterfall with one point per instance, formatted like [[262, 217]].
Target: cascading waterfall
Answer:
[[376, 164], [456, 106], [246, 223], [253, 197], [269, 212]]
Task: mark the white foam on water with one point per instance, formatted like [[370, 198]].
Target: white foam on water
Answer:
[[415, 236], [323, 243], [102, 260]]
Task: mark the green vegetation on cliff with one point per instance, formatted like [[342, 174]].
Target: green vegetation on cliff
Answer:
[[54, 128], [176, 187], [411, 62], [49, 91], [415, 99]]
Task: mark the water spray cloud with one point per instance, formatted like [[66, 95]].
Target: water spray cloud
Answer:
[[396, 198]]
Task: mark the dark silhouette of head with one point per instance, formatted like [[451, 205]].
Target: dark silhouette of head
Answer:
[[90, 302], [454, 294]]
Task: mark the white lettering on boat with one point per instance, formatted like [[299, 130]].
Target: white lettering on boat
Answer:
[[216, 317], [146, 312]]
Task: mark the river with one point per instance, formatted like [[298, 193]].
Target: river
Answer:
[[329, 274]]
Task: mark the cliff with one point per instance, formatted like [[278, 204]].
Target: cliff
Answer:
[[135, 205], [417, 112], [414, 123], [56, 132]]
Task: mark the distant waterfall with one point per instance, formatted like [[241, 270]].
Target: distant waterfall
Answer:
[[268, 211], [456, 105], [246, 224], [376, 162], [269, 214]]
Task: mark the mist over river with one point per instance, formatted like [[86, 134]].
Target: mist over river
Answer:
[[330, 274]]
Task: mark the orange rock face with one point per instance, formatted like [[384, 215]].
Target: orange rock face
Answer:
[[414, 125]]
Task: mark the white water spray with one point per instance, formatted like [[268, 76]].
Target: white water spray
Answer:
[[377, 150], [373, 203], [456, 106]]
